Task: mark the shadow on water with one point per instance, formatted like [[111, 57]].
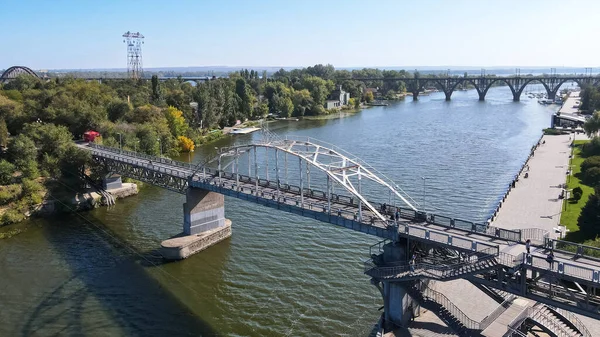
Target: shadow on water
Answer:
[[108, 280]]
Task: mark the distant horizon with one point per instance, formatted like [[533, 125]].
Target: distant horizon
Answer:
[[265, 67]]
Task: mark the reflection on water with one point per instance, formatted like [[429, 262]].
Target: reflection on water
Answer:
[[279, 274]]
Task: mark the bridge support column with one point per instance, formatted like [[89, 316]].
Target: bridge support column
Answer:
[[448, 95], [399, 307], [204, 225], [415, 95], [481, 95]]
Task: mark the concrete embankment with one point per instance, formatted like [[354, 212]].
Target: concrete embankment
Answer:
[[82, 201]]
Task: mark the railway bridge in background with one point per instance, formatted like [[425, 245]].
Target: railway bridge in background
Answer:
[[318, 180], [517, 84], [415, 85]]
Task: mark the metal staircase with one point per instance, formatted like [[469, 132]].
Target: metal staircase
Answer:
[[436, 269], [550, 318], [444, 308]]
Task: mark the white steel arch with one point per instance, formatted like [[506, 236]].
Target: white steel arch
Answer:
[[337, 164]]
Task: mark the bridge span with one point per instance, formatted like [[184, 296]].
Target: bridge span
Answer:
[[447, 248]]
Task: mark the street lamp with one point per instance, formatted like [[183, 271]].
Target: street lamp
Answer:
[[424, 178], [120, 142], [160, 146]]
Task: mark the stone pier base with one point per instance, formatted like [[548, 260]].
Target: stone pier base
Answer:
[[182, 246]]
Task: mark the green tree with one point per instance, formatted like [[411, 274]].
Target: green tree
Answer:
[[247, 100], [261, 110], [148, 139], [6, 172], [156, 94], [23, 153], [369, 97], [49, 138], [302, 101], [118, 110], [319, 88], [589, 218], [3, 133], [592, 125]]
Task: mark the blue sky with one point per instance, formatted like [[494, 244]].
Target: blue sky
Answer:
[[87, 34]]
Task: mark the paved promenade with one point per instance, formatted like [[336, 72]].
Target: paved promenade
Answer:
[[534, 202]]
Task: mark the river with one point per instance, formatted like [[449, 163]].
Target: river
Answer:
[[98, 273]]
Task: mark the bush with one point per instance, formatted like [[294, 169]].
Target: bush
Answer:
[[6, 172], [591, 148], [589, 219], [30, 187], [591, 176], [11, 216], [576, 196], [593, 161], [9, 193], [553, 132]]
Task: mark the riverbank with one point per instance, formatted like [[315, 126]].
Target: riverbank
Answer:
[[68, 203]]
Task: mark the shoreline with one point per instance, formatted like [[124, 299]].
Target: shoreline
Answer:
[[77, 202]]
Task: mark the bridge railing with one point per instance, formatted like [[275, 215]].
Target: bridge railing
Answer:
[[576, 249], [161, 169], [536, 235], [563, 268], [500, 233], [431, 270], [142, 156]]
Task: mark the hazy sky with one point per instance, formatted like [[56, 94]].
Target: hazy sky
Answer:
[[448, 33]]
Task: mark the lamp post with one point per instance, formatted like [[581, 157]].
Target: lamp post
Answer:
[[120, 142], [424, 178], [160, 146]]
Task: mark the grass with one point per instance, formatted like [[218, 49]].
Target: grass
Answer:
[[571, 214]]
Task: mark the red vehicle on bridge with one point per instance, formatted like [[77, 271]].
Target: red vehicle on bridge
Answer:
[[90, 136]]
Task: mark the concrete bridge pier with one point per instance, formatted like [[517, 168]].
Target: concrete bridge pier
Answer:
[[517, 96], [415, 95], [481, 95], [204, 225], [399, 307], [448, 94]]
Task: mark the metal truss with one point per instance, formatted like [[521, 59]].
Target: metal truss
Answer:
[[15, 71], [161, 179], [339, 166]]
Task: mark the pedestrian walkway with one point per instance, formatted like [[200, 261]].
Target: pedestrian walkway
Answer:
[[534, 201]]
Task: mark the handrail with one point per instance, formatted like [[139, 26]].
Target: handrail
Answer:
[[573, 319], [442, 300], [516, 323], [422, 269], [542, 318], [571, 247], [497, 312]]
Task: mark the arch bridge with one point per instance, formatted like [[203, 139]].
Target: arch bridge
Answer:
[[482, 84], [320, 181], [15, 71]]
